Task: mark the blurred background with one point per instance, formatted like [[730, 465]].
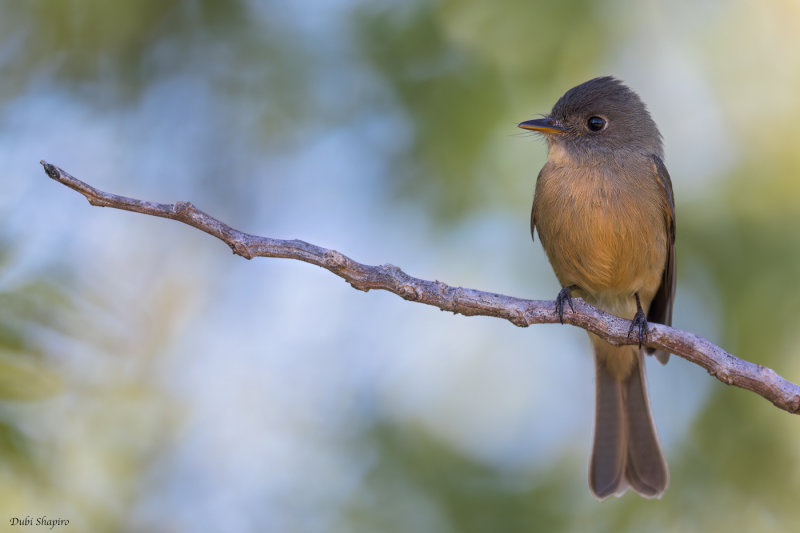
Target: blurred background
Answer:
[[152, 381]]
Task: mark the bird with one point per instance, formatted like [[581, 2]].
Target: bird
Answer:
[[604, 211]]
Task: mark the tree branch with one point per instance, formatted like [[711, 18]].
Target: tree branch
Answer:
[[520, 312]]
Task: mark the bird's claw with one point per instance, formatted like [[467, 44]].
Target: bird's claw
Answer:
[[639, 323], [564, 295]]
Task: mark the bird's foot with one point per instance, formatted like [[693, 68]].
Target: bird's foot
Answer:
[[639, 323], [564, 295]]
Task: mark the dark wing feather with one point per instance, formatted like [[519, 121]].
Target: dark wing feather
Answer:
[[533, 209], [661, 306]]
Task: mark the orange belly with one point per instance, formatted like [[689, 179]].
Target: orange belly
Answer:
[[606, 236]]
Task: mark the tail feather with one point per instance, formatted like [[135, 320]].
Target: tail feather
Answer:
[[607, 464], [626, 451], [646, 469]]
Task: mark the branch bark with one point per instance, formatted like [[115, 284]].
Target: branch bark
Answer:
[[459, 300]]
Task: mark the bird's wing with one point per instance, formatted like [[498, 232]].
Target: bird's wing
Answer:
[[533, 209], [661, 306]]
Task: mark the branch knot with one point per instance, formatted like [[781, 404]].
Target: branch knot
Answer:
[[409, 292], [241, 249], [184, 208], [794, 404], [518, 318], [334, 260], [392, 270]]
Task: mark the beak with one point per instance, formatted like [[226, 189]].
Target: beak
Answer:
[[544, 125]]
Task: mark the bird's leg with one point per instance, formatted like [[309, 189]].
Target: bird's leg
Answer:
[[564, 295], [639, 322]]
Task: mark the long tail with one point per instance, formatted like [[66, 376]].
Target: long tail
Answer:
[[626, 450]]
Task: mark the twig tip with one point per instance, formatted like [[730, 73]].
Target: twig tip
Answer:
[[50, 170]]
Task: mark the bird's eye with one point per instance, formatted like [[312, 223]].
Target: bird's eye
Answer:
[[595, 123]]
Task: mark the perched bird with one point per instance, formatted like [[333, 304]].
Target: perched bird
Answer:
[[605, 215]]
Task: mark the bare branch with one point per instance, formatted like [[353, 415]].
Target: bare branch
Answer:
[[520, 312]]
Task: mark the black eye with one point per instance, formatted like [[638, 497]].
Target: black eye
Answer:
[[595, 123]]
